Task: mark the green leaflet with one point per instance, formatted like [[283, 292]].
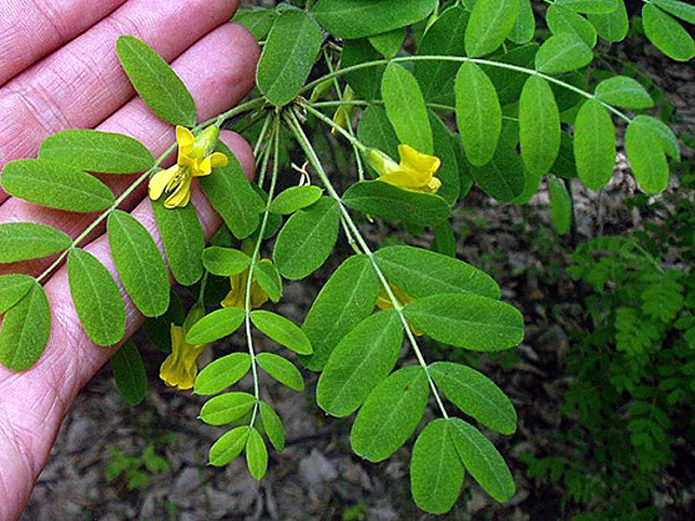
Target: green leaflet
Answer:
[[25, 330], [282, 330], [436, 76], [682, 10], [258, 21], [348, 297], [97, 298], [423, 273], [225, 262], [565, 165], [469, 321], [622, 91], [183, 239], [476, 395], [563, 52], [25, 241], [268, 278], [444, 148], [667, 34], [351, 19], [229, 446], [406, 108], [129, 373], [560, 206], [391, 414], [525, 26], [389, 43], [55, 185], [156, 82], [288, 56], [231, 194], [478, 114], [227, 408], [281, 370], [216, 325], [490, 24], [12, 289], [594, 145], [273, 426], [647, 158], [590, 6], [539, 126], [395, 204], [256, 455], [508, 83], [365, 82], [612, 26], [307, 239], [222, 373], [482, 460], [375, 131], [295, 198], [668, 139], [97, 151], [140, 264], [562, 19], [436, 471], [503, 177], [362, 359]]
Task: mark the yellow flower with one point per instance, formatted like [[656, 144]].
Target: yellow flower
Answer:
[[415, 172], [237, 295], [194, 160], [384, 302], [180, 367]]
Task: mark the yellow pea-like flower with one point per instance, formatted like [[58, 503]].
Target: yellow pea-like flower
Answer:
[[181, 367], [415, 172], [237, 295], [195, 159]]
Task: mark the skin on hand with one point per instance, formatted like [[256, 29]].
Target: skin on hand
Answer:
[[81, 84]]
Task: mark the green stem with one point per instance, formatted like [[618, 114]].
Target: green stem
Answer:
[[255, 258], [143, 177], [351, 131], [465, 59], [314, 160], [356, 143], [361, 103]]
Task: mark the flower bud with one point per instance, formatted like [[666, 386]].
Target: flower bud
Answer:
[[205, 142]]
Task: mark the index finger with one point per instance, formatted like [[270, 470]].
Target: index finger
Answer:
[[31, 29]]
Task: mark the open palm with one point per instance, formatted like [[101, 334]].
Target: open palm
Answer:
[[59, 69]]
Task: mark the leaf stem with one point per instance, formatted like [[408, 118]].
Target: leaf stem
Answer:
[[304, 142], [275, 137], [465, 59]]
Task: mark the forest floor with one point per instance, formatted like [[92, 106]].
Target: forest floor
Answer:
[[317, 476]]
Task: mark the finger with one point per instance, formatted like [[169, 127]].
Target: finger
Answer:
[[232, 50], [83, 83], [36, 402], [31, 29]]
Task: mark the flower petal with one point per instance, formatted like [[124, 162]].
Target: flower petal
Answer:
[[160, 180], [203, 167], [181, 196], [185, 138], [219, 159], [411, 159]]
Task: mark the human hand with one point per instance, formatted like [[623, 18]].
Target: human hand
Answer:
[[82, 85]]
